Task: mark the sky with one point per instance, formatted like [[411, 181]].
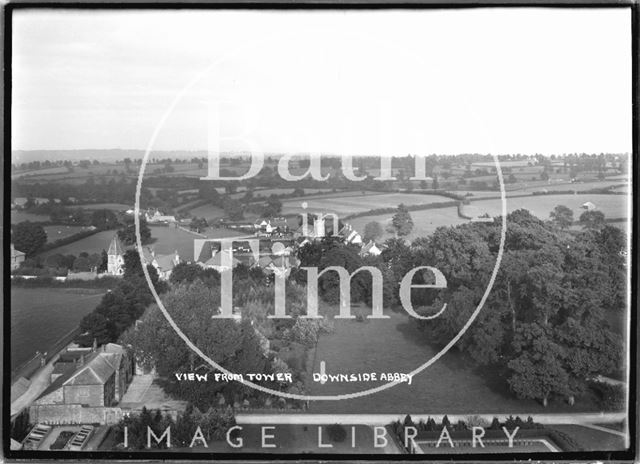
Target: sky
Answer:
[[373, 82]]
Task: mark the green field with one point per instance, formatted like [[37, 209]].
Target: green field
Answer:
[[209, 212], [59, 232], [344, 205], [425, 222], [93, 244], [613, 206], [451, 385], [111, 206], [21, 216]]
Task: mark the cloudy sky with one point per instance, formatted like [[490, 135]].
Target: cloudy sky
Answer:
[[360, 82]]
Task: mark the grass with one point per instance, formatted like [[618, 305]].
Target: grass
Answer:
[[590, 439], [452, 385], [111, 206], [92, 244], [41, 316], [613, 206], [344, 205], [21, 216], [209, 212], [59, 232]]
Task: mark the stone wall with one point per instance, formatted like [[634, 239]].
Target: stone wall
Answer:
[[74, 414]]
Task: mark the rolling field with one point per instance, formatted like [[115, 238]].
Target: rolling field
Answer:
[[92, 244], [21, 216], [41, 316], [425, 222], [344, 205], [207, 211], [111, 206], [449, 385], [613, 206], [59, 232]]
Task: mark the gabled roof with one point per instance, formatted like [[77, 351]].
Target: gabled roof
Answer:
[[115, 247], [96, 371], [217, 261], [167, 262], [15, 253]]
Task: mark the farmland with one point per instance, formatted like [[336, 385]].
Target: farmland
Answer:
[[59, 232], [41, 316], [344, 205], [93, 244], [613, 206], [111, 206], [21, 216], [427, 221], [448, 386]]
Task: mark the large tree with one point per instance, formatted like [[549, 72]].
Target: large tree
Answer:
[[28, 237], [402, 221], [562, 216], [372, 231]]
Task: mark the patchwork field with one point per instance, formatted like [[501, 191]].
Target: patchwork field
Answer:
[[392, 345], [344, 205]]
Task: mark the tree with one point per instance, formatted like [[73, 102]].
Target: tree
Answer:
[[96, 326], [28, 237], [402, 221], [127, 234], [592, 220], [435, 184], [272, 207], [198, 224], [372, 231], [562, 216], [104, 219], [233, 209], [104, 262]]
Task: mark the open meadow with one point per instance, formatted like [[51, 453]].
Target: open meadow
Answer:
[[451, 385], [59, 232], [344, 205], [93, 244]]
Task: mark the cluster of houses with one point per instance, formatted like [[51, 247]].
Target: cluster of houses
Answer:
[[163, 263]]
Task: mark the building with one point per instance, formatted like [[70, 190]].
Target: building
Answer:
[[17, 258], [115, 257], [157, 217], [163, 264], [97, 378], [370, 249], [588, 206]]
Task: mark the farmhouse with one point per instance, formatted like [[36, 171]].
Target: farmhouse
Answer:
[[157, 217], [588, 206]]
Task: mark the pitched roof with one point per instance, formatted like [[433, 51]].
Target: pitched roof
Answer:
[[167, 262], [115, 247], [96, 371]]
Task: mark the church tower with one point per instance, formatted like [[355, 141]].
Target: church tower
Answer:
[[115, 255]]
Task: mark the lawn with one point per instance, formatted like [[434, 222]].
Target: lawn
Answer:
[[348, 204], [59, 232], [452, 385], [589, 439]]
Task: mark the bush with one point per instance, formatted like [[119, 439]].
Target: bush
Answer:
[[612, 397], [337, 433]]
